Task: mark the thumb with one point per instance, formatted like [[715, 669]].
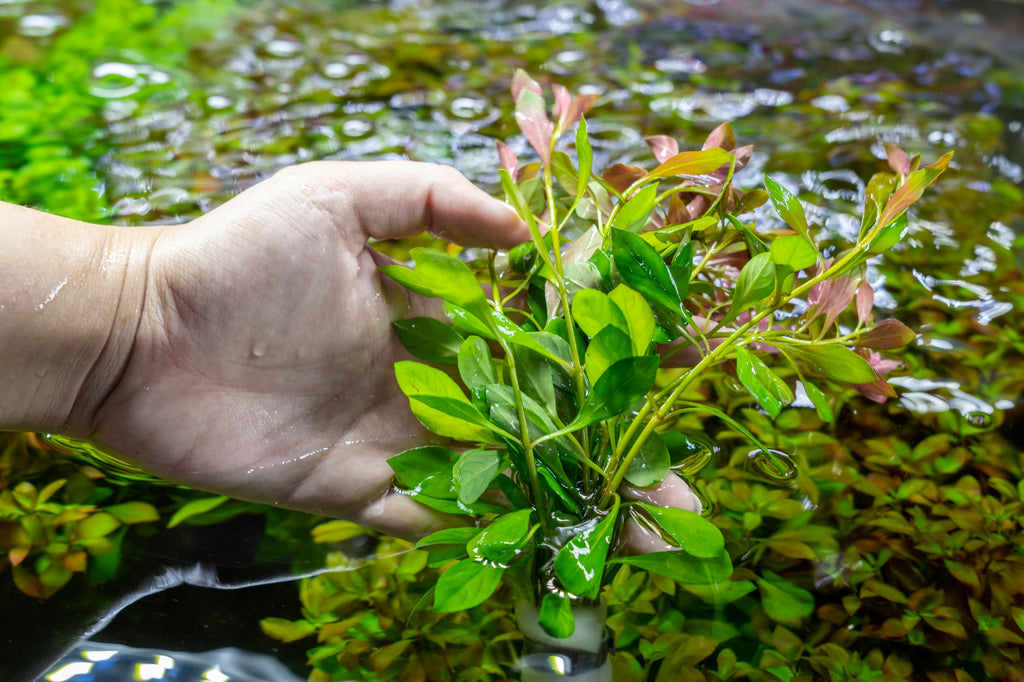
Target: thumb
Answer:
[[393, 199]]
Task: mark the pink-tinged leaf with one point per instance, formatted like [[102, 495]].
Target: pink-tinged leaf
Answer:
[[898, 160], [534, 123], [865, 301], [743, 155], [877, 391], [831, 298], [887, 335], [507, 158], [562, 102], [662, 146], [692, 163], [912, 189], [721, 137], [621, 176], [580, 105], [522, 81]]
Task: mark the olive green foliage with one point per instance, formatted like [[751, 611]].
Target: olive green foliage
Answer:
[[368, 624], [58, 518], [59, 513], [52, 111]]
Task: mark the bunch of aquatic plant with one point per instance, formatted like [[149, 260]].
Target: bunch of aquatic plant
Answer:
[[577, 353]]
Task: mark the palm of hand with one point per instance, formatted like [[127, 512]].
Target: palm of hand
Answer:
[[263, 365]]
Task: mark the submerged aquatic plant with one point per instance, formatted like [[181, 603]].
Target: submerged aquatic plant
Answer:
[[581, 351]]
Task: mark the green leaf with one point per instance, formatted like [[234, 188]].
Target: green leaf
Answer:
[[513, 334], [287, 630], [770, 391], [96, 525], [501, 541], [450, 503], [464, 321], [439, 275], [438, 402], [618, 389], [579, 564], [820, 402], [693, 533], [692, 163], [515, 197], [453, 418], [134, 512], [639, 317], [585, 158], [449, 536], [555, 616], [429, 339], [474, 472], [784, 602], [890, 235], [887, 335], [756, 281], [682, 566], [426, 469], [650, 464], [594, 310], [793, 252], [879, 188], [536, 377], [475, 364], [195, 508], [466, 584], [644, 270], [835, 362], [606, 348], [635, 213], [788, 206]]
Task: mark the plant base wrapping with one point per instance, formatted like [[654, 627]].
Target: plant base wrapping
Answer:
[[583, 656]]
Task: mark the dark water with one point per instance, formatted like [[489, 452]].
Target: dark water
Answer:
[[817, 87]]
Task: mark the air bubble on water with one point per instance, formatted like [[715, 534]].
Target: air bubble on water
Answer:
[[978, 420], [40, 25], [113, 80]]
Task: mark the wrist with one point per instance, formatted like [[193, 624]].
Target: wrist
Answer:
[[70, 303]]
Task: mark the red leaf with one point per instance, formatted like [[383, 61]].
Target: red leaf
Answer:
[[531, 115], [507, 158], [865, 301], [621, 176], [522, 81], [887, 335], [912, 189], [662, 146], [898, 160], [721, 137]]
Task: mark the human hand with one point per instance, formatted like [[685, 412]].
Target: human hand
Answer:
[[263, 365]]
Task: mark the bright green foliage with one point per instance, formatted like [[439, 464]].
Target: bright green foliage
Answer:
[[50, 118], [561, 378]]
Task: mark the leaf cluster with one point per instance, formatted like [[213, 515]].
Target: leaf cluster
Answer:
[[570, 358]]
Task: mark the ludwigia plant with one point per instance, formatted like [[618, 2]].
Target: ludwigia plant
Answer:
[[579, 351]]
